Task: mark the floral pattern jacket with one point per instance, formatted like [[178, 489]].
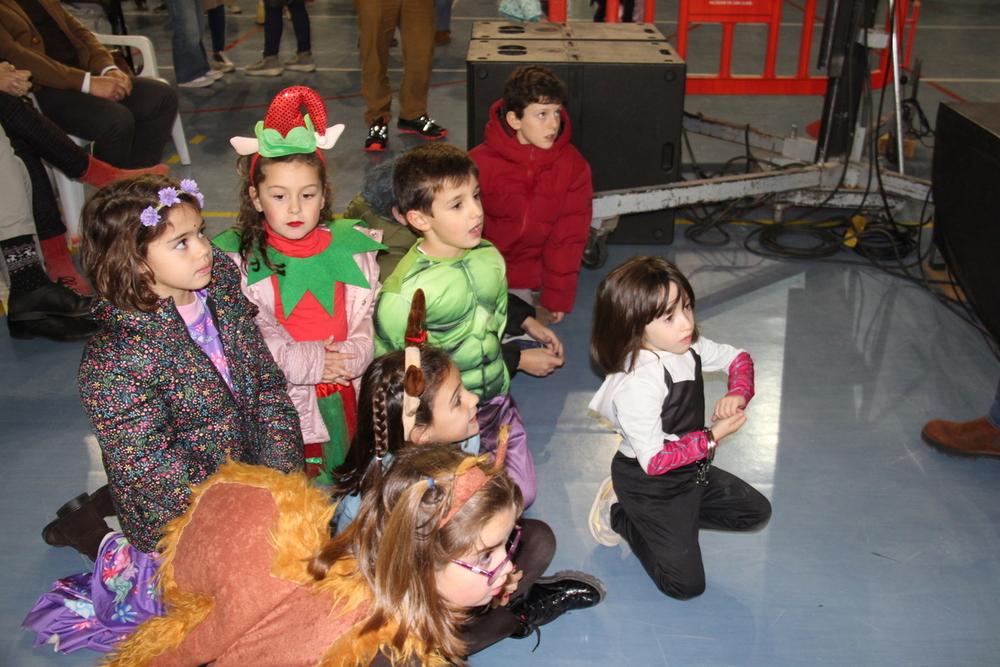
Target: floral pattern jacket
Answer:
[[164, 417]]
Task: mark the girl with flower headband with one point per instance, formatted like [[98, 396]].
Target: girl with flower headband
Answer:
[[176, 381], [432, 546], [313, 279]]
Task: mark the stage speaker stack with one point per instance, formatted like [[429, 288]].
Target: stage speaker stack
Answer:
[[626, 101], [966, 187]]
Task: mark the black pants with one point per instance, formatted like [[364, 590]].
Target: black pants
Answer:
[[660, 515], [35, 138], [129, 134], [488, 626]]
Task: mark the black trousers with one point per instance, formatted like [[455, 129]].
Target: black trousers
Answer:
[[129, 134], [35, 138], [488, 626], [660, 516]]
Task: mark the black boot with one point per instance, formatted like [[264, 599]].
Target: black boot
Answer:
[[551, 597], [78, 525]]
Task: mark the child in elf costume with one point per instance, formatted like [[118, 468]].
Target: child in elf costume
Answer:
[[313, 279]]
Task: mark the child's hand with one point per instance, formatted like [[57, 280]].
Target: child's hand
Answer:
[[334, 370], [728, 406], [543, 335], [728, 425], [538, 361], [508, 589], [557, 317]]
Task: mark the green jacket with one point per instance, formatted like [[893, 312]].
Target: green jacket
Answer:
[[466, 312], [399, 238]]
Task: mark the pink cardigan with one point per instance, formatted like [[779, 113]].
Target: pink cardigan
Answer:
[[302, 361]]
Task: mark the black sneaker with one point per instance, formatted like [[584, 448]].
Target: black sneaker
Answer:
[[424, 126], [551, 597], [49, 299], [378, 136]]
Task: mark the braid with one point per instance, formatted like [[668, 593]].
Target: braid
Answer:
[[381, 423]]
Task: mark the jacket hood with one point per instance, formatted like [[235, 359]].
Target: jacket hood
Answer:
[[501, 137]]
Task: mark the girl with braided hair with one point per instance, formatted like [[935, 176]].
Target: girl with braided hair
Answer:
[[413, 397]]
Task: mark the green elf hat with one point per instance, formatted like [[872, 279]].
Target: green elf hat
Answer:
[[285, 130]]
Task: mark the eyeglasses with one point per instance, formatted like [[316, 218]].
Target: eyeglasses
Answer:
[[494, 574]]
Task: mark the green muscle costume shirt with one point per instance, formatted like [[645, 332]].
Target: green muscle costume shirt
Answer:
[[466, 312]]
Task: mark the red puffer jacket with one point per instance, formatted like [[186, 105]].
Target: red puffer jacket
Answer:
[[538, 208]]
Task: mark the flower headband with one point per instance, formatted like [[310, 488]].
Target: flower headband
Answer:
[[150, 216]]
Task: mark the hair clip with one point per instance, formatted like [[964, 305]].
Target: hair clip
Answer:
[[430, 483], [150, 216]]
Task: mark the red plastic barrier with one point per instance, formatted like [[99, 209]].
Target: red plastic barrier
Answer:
[[730, 13]]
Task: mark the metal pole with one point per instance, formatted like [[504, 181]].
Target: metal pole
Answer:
[[894, 60]]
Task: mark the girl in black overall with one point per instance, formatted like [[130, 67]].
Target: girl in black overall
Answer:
[[662, 487]]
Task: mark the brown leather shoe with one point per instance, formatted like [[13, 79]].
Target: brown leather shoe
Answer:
[[968, 440], [442, 37], [82, 528]]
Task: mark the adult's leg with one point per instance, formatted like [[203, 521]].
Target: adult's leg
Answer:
[[153, 105], [23, 122], [187, 19], [37, 306], [416, 28], [217, 27], [300, 24], [442, 14], [274, 25], [108, 124], [658, 515], [15, 214], [377, 20], [534, 554], [729, 503]]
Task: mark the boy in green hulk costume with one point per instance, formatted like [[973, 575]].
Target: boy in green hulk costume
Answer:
[[465, 285]]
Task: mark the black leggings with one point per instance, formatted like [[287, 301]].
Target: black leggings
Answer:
[[660, 515]]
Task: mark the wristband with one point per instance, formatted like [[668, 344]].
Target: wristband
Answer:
[[711, 439]]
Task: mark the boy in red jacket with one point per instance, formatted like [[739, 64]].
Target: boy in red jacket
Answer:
[[536, 189]]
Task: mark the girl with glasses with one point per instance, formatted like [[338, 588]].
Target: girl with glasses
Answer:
[[433, 543]]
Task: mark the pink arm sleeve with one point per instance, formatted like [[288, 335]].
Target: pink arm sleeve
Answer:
[[741, 377], [676, 453]]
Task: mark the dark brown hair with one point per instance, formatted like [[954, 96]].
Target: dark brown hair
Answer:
[[113, 250], [531, 84], [425, 170], [399, 543], [630, 297], [379, 427], [251, 222]]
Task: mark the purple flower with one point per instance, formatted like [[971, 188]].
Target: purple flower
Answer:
[[191, 188], [168, 197], [149, 217]]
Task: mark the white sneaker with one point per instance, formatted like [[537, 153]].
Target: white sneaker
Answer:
[[600, 515], [268, 66], [222, 63], [234, 7], [302, 62], [202, 81]]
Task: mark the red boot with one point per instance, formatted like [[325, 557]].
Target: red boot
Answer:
[[966, 440], [100, 174], [60, 267]]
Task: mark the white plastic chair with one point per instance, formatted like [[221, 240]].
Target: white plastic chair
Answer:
[[71, 194]]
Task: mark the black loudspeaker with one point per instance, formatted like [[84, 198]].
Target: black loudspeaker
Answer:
[[626, 102], [967, 201]]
